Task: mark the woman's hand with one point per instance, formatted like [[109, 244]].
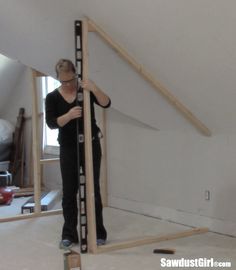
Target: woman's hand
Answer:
[[75, 112], [88, 85], [101, 97]]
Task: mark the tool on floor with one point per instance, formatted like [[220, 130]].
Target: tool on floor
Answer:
[[6, 193], [72, 260], [80, 141], [48, 200], [164, 251]]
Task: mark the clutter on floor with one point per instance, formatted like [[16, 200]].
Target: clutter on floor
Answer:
[[6, 193], [48, 200]]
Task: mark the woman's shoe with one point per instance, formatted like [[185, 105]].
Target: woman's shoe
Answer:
[[65, 244], [101, 242]]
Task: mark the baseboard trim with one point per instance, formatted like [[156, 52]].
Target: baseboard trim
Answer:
[[172, 215]]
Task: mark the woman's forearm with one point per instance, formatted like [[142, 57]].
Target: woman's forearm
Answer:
[[63, 120], [101, 97]]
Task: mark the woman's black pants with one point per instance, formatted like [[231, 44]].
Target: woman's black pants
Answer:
[[69, 172]]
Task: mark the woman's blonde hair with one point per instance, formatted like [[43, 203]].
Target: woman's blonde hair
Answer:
[[64, 65]]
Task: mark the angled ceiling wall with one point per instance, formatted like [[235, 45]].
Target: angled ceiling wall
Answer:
[[38, 33], [188, 45]]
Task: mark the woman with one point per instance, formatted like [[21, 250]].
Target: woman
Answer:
[[62, 112]]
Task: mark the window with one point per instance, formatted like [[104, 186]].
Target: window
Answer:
[[50, 143]]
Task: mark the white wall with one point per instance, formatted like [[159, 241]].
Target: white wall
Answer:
[[165, 174], [189, 46], [20, 96]]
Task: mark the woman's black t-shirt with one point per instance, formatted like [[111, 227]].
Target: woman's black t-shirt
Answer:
[[56, 106]]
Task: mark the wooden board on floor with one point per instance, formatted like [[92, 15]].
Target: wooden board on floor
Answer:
[[23, 192], [150, 240]]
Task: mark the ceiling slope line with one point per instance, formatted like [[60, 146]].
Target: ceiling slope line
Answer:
[[140, 122], [93, 27]]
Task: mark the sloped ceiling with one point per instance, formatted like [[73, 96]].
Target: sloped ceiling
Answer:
[[188, 45]]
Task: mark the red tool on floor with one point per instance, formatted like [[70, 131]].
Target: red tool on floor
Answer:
[[6, 195]]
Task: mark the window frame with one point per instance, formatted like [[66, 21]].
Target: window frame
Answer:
[[48, 85]]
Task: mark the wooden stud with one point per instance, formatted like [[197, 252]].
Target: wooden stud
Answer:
[[39, 74], [28, 189], [90, 28], [92, 245], [31, 169], [103, 174], [150, 240], [33, 215], [148, 77], [36, 151], [49, 160]]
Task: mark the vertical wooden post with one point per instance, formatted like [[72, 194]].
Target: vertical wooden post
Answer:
[[36, 145], [92, 245], [103, 174]]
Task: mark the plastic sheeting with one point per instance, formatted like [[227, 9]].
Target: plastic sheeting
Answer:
[[6, 137]]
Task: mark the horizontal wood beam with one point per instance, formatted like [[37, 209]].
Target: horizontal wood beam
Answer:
[[49, 160], [148, 77], [39, 74], [149, 240], [33, 215]]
